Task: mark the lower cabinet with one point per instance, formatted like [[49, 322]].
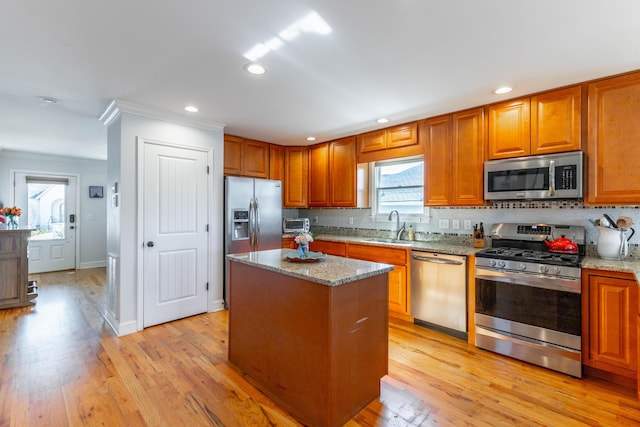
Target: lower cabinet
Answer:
[[399, 303], [329, 247], [610, 322], [288, 243]]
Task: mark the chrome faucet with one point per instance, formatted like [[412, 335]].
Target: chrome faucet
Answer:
[[399, 229]]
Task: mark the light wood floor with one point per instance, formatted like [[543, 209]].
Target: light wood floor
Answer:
[[61, 366]]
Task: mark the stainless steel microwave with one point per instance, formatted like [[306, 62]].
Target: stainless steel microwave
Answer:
[[295, 225], [549, 176]]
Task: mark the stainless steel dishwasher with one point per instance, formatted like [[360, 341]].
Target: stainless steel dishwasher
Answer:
[[439, 291]]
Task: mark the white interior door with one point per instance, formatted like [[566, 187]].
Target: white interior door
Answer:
[[49, 204], [175, 233]]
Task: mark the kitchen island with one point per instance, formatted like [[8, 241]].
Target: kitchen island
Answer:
[[312, 336]]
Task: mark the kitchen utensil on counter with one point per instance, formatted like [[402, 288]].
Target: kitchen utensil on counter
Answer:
[[613, 243], [562, 245], [611, 222], [624, 222]]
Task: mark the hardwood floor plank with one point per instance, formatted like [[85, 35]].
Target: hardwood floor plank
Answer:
[[61, 366]]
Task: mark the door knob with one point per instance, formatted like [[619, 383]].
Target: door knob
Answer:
[[150, 243]]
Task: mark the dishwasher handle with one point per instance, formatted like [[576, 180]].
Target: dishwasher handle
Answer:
[[437, 260]]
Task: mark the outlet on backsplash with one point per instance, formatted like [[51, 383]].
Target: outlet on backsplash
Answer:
[[455, 224], [467, 224], [443, 223]]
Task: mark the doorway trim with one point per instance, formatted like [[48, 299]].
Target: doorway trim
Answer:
[[78, 230], [140, 144]]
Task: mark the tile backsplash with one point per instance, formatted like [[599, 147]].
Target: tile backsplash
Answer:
[[555, 212]]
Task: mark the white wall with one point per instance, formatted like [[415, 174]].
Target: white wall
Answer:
[[92, 218], [122, 231]]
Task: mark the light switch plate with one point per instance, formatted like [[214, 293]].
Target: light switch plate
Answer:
[[467, 224], [443, 223], [455, 224]]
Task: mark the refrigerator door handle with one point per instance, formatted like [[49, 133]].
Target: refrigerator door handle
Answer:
[[252, 232], [257, 223]]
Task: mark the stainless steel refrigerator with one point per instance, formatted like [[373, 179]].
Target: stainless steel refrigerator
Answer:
[[252, 217]]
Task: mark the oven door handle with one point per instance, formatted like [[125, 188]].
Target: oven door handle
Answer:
[[566, 284]]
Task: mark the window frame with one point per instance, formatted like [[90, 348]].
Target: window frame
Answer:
[[373, 193]]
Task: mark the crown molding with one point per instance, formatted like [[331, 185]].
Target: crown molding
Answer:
[[116, 107]]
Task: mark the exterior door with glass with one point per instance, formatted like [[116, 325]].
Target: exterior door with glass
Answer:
[[49, 208]]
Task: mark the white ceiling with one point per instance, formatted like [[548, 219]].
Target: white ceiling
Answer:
[[403, 59]]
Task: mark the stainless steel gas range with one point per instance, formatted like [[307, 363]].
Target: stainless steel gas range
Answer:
[[528, 299]]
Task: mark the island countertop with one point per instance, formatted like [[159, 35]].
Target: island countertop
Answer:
[[329, 271]]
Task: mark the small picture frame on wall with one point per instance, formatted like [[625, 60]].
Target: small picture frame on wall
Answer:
[[95, 191]]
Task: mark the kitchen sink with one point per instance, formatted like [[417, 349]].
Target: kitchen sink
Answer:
[[391, 241]]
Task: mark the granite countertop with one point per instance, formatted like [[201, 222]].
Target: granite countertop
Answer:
[[330, 270], [630, 265], [431, 246]]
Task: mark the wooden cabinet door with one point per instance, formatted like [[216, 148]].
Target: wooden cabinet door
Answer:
[[612, 303], [556, 121], [288, 243], [319, 175], [468, 155], [612, 138], [437, 161], [233, 155], [328, 247], [343, 173], [402, 135], [255, 159], [276, 162], [509, 131], [372, 141], [296, 177], [398, 290]]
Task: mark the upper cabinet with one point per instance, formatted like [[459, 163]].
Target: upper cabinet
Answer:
[[392, 142], [332, 174], [454, 158], [343, 173], [556, 121], [276, 162], [296, 177], [246, 157], [509, 132], [546, 123], [469, 136], [319, 175], [612, 140], [437, 161]]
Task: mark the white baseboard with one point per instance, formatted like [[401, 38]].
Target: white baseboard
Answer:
[[93, 264], [120, 329], [217, 305]]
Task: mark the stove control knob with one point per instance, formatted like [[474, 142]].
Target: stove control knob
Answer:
[[501, 264], [492, 263], [522, 266], [556, 270], [544, 269]]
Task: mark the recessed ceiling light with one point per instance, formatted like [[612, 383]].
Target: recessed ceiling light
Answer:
[[502, 90], [191, 108], [255, 68], [311, 138], [382, 120]]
